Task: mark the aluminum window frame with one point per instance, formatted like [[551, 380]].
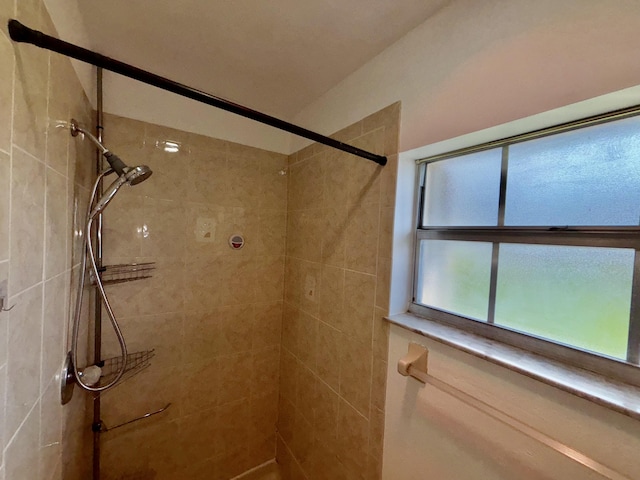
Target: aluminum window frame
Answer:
[[612, 237]]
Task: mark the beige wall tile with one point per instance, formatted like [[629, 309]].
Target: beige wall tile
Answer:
[[336, 180], [7, 10], [56, 224], [6, 83], [306, 340], [81, 158], [235, 377], [163, 228], [56, 295], [4, 316], [302, 443], [273, 185], [262, 451], [30, 99], [200, 386], [334, 232], [286, 419], [231, 465], [378, 384], [331, 295], [27, 221], [354, 267], [233, 329], [306, 393], [208, 177], [264, 417], [59, 110], [380, 334], [383, 283], [116, 452], [329, 355], [31, 12], [234, 420], [23, 369], [326, 415], [355, 373], [196, 442], [267, 325], [357, 321], [348, 134], [231, 301], [5, 191], [3, 440], [125, 134], [305, 183], [22, 453], [288, 376], [50, 445], [123, 234], [265, 371], [364, 177], [352, 439], [269, 272], [200, 340], [272, 232], [165, 460], [362, 238]]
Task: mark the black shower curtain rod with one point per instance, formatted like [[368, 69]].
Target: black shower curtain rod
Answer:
[[22, 33]]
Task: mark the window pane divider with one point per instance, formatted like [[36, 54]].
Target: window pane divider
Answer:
[[495, 253], [603, 238]]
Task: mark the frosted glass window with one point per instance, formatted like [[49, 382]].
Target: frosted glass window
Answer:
[[574, 295], [463, 190], [454, 276], [589, 176]]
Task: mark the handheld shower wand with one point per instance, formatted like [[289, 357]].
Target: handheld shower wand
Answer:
[[89, 377]]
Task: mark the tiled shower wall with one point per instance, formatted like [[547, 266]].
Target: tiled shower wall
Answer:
[[44, 175], [334, 341], [212, 314]]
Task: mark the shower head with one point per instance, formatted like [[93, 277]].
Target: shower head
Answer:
[[131, 176], [138, 174]]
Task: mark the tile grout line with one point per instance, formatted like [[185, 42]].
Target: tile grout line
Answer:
[[5, 441], [45, 244]]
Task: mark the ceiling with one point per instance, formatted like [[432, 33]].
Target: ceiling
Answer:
[[276, 56]]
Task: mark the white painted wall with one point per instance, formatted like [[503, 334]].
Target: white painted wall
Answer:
[[428, 434], [477, 64], [473, 65], [432, 435]]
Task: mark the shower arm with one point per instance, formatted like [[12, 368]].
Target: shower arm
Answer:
[[78, 130], [115, 162], [22, 33]]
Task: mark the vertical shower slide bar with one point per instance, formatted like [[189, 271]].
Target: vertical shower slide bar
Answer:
[[97, 339]]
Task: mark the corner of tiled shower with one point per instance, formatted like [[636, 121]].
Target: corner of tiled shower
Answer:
[[279, 346]]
